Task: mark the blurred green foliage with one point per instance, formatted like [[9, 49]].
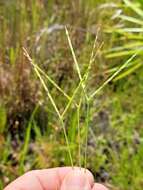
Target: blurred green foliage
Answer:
[[30, 135]]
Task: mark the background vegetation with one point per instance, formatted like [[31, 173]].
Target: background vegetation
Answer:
[[30, 134]]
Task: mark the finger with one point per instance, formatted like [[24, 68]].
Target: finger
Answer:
[[98, 186], [47, 179], [76, 179]]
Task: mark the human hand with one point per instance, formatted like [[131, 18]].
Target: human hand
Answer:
[[64, 178]]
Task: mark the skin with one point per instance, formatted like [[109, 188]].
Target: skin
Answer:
[[56, 179]]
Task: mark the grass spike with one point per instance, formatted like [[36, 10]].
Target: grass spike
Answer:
[[52, 102], [112, 77]]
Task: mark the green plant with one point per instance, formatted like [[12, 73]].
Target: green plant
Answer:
[[111, 118], [84, 97], [128, 30], [3, 119]]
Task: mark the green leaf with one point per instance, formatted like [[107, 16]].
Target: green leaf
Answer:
[[131, 19], [134, 7], [3, 119]]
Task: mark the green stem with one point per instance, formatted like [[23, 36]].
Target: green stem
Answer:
[[86, 133]]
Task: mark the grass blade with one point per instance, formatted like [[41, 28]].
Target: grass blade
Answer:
[[131, 19], [134, 7]]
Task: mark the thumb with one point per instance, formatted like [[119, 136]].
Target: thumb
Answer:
[[76, 180]]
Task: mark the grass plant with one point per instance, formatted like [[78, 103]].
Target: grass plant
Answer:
[[72, 99], [83, 94]]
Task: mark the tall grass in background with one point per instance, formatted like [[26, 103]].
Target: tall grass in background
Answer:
[[129, 31], [80, 105]]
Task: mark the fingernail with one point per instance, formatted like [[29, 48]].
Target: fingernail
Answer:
[[76, 180]]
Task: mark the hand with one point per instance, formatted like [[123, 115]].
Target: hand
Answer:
[[64, 178]]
